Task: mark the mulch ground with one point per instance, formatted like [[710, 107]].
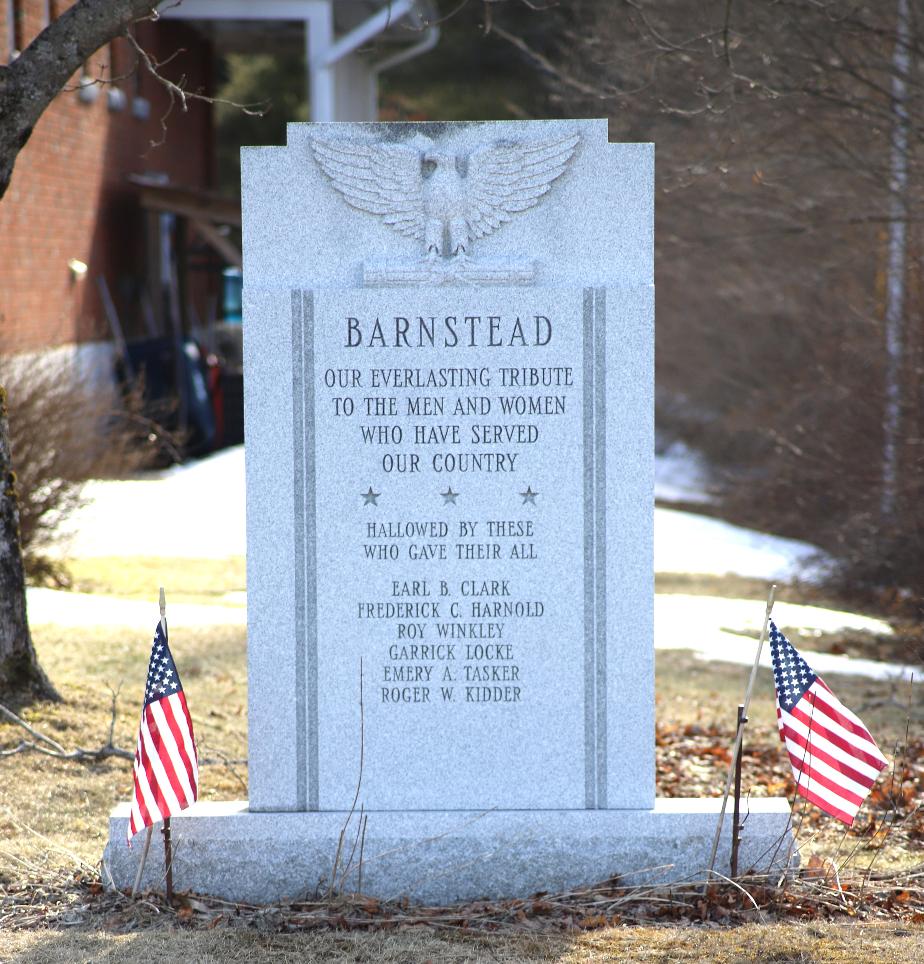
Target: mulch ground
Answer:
[[692, 759], [77, 899]]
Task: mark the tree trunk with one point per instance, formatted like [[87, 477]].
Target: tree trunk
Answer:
[[27, 87], [20, 672]]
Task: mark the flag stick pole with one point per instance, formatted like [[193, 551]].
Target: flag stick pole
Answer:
[[149, 830], [736, 813], [739, 736], [144, 856], [168, 861], [165, 830]]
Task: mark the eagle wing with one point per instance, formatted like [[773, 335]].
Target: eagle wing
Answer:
[[381, 178], [509, 177]]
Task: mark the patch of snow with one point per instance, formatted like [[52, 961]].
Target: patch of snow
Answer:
[[689, 543], [727, 630], [197, 510], [681, 475], [714, 629], [194, 511], [77, 609]]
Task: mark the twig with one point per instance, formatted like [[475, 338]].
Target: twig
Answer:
[[362, 844], [22, 745], [359, 783], [348, 865], [178, 92], [13, 718], [34, 868], [81, 754], [102, 753], [149, 830], [738, 886], [897, 762], [112, 718], [726, 28], [223, 760], [51, 843], [546, 65]]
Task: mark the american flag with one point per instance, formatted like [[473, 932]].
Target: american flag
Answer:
[[166, 771], [834, 759]]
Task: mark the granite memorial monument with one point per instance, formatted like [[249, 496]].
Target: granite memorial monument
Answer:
[[449, 447]]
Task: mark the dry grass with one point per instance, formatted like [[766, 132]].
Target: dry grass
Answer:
[[53, 814], [691, 690], [69, 803], [186, 580], [749, 944]]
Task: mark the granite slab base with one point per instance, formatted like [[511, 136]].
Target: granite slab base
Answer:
[[438, 857]]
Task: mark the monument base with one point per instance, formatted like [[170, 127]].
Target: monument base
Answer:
[[225, 850]]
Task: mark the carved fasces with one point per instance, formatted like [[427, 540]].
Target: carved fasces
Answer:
[[444, 200]]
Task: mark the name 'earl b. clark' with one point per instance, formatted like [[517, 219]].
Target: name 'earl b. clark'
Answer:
[[452, 331]]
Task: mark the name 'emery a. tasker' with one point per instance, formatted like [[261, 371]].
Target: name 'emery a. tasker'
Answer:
[[451, 331]]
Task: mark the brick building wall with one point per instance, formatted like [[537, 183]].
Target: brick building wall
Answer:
[[70, 197]]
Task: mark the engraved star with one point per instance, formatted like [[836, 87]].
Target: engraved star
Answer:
[[370, 496], [529, 495], [449, 496]]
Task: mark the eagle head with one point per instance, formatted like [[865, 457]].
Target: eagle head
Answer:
[[434, 158]]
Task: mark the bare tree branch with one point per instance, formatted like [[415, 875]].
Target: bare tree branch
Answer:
[[49, 747], [38, 74], [178, 92], [44, 744]]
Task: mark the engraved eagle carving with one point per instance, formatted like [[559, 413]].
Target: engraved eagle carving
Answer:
[[443, 199]]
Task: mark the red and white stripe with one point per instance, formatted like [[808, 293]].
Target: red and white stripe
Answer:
[[166, 771], [834, 759]]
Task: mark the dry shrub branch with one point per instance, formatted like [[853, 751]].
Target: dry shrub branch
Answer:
[[64, 430], [778, 209]]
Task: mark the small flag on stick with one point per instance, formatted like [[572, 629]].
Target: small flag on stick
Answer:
[[166, 772], [834, 759]]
